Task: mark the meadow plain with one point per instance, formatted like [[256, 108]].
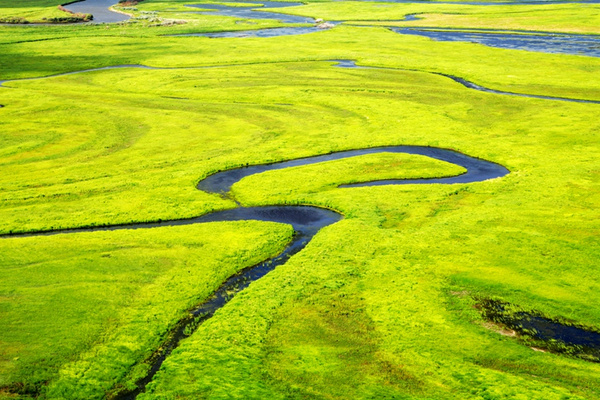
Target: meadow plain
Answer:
[[383, 304]]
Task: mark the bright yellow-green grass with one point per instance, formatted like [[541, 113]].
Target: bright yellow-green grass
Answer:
[[30, 10], [517, 71], [577, 18], [106, 300], [378, 305]]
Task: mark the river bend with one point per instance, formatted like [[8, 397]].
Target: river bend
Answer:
[[306, 221]]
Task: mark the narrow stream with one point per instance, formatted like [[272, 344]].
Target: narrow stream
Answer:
[[262, 33], [307, 221], [471, 85]]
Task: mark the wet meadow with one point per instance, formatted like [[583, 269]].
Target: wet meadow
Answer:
[[389, 302]]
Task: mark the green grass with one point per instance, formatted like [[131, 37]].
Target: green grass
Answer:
[[572, 76], [379, 305], [107, 299], [30, 10], [575, 18]]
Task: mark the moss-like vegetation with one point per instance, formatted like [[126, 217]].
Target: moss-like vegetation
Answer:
[[105, 301], [379, 305]]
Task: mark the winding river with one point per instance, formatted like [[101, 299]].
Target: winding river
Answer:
[[252, 11], [306, 221], [99, 9]]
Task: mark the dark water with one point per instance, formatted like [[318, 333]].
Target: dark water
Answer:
[[587, 45], [546, 329], [99, 9], [306, 221], [471, 85], [556, 336]]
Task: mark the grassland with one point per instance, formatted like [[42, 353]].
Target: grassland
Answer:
[[30, 11], [571, 18], [379, 305], [111, 295]]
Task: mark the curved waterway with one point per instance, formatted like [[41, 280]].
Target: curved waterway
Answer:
[[471, 85], [477, 170], [252, 10], [262, 33], [306, 221], [102, 14], [99, 9], [558, 336]]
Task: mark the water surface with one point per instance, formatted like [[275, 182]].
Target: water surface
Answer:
[[99, 9], [545, 42]]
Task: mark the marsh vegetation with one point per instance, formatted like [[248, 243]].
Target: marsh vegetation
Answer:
[[385, 303]]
